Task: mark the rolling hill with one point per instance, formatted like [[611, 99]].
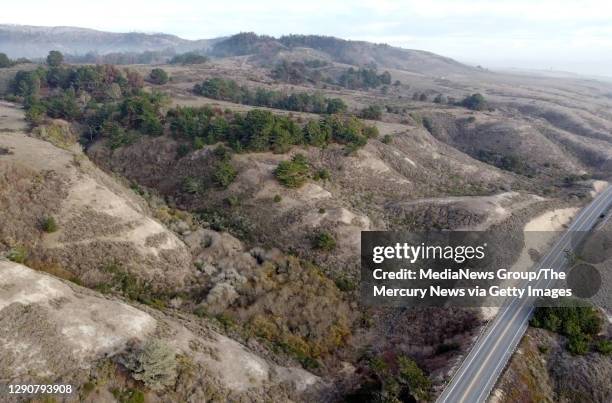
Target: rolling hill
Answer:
[[35, 42]]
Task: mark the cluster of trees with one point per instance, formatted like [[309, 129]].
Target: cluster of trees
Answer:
[[363, 78], [260, 130], [475, 102], [293, 173], [245, 43], [397, 379], [119, 58], [110, 103], [373, 112], [309, 71], [72, 92], [146, 57], [6, 62], [298, 72], [507, 162], [580, 324], [229, 90], [188, 58], [106, 100]]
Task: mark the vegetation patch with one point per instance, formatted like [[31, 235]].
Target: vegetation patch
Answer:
[[324, 241], [293, 173], [49, 225], [154, 364], [392, 379], [229, 90], [158, 76], [580, 324]]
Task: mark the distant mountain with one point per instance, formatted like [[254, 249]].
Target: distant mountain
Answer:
[[33, 42], [358, 53]]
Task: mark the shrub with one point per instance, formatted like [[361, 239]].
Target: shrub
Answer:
[[18, 254], [55, 58], [192, 185], [439, 99], [154, 364], [224, 174], [387, 139], [410, 373], [277, 199], [604, 347], [324, 241], [578, 323], [322, 174], [5, 61], [36, 113], [475, 102], [49, 225], [182, 150], [158, 76], [188, 58], [232, 200], [345, 284], [578, 344], [428, 124], [373, 112], [294, 173]]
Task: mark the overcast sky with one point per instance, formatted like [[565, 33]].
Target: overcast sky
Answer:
[[563, 35]]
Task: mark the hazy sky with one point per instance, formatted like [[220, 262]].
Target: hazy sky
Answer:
[[540, 34]]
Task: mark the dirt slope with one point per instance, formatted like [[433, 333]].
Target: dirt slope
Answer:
[[98, 221], [55, 331]]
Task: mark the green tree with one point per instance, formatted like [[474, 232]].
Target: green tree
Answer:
[[36, 113], [604, 347], [474, 102], [324, 241], [439, 99], [224, 174], [294, 173], [335, 105], [373, 112], [578, 344], [315, 135], [410, 373], [55, 58], [158, 76], [5, 61]]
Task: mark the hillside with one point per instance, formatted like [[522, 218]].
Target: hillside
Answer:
[[358, 53], [34, 42], [221, 208]]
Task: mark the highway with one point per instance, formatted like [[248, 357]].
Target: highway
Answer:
[[481, 368]]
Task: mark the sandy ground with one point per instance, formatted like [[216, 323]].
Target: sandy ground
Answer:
[[11, 117], [540, 233], [58, 327], [86, 326], [598, 187]]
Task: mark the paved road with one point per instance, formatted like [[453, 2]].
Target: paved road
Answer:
[[477, 375]]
